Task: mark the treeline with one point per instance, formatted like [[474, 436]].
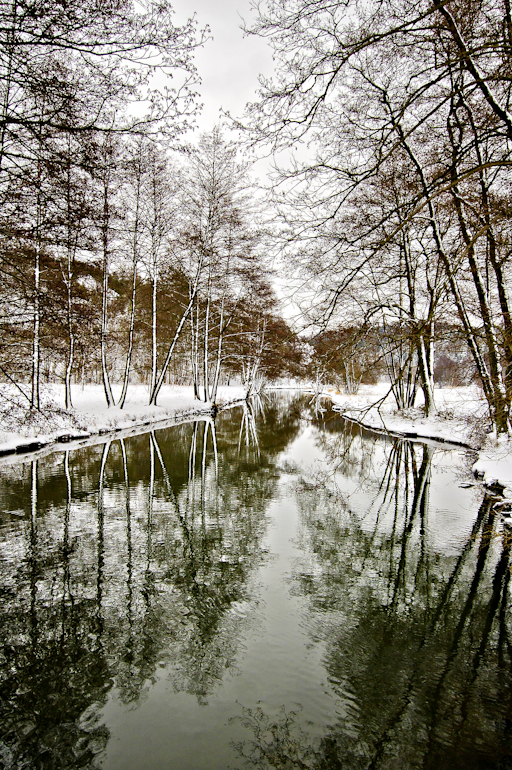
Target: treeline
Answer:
[[349, 356], [402, 219], [124, 256]]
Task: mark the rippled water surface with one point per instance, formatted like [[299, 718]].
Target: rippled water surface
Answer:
[[275, 589]]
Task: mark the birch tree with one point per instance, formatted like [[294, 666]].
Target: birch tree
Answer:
[[223, 229], [134, 181], [162, 186], [75, 228], [108, 183]]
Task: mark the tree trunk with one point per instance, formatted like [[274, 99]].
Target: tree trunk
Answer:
[[194, 353], [135, 258], [104, 300], [219, 352], [206, 383], [425, 378], [35, 403], [126, 378], [154, 327]]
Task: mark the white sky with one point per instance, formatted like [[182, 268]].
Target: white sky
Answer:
[[230, 63], [229, 66]]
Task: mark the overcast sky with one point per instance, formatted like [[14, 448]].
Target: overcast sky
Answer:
[[229, 66], [230, 63]]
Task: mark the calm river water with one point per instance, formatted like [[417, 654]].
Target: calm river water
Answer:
[[277, 589]]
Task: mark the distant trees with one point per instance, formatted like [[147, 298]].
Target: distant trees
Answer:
[[347, 357], [137, 264], [402, 211], [103, 259], [221, 235]]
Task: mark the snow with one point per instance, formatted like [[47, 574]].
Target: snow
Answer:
[[461, 418], [23, 431]]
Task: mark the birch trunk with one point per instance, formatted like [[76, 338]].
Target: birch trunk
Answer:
[[126, 378], [7, 84], [155, 391], [221, 336], [104, 298], [426, 381], [205, 347], [135, 259], [71, 332], [69, 368], [219, 354], [154, 326], [194, 353], [35, 403], [73, 229]]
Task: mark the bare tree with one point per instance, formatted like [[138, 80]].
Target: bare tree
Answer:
[[369, 88], [222, 227]]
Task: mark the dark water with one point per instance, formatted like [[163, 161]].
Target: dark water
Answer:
[[277, 590]]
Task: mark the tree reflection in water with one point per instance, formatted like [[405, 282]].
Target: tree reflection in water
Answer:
[[418, 645], [136, 557], [118, 560]]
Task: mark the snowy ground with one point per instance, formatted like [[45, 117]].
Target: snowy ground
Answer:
[[461, 413], [462, 418], [22, 430]]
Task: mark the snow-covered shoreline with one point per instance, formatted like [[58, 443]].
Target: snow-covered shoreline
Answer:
[[461, 420], [90, 417]]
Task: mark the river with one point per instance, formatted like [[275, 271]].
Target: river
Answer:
[[273, 589]]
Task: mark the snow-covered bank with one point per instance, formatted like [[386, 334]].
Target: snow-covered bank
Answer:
[[24, 431], [461, 419], [461, 414]]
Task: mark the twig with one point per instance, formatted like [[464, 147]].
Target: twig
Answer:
[[18, 387]]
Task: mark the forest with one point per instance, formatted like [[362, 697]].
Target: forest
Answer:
[[126, 254], [131, 255]]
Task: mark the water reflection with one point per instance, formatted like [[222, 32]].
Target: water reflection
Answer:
[[128, 557], [418, 646], [138, 559]]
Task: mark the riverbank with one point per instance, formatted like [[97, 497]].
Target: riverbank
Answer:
[[22, 430], [461, 418]]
